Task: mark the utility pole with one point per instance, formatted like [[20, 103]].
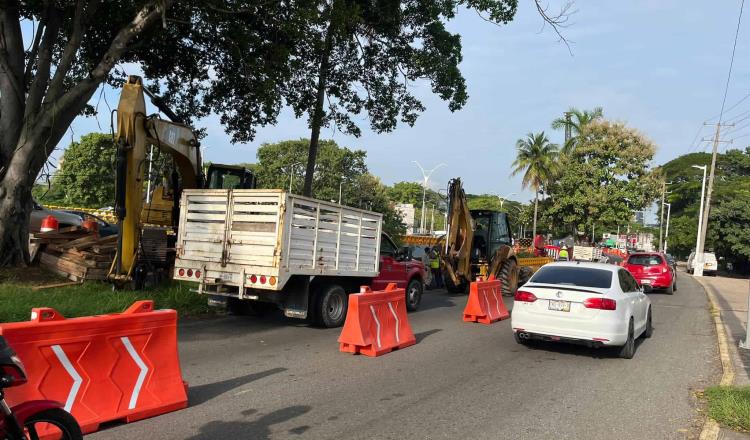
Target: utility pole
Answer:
[[698, 268]]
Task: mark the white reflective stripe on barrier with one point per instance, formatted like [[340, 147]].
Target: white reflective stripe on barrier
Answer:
[[141, 376], [497, 301], [77, 380], [393, 312], [377, 323]]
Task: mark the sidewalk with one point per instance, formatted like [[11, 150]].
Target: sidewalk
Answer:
[[730, 296]]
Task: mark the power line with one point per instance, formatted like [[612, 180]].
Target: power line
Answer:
[[731, 61], [717, 140]]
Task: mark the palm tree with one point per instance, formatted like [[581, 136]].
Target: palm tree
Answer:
[[576, 122], [537, 160]]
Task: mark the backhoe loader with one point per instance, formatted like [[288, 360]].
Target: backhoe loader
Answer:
[[478, 243], [141, 247]]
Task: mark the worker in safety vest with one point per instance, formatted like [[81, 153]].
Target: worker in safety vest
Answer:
[[427, 263], [437, 278], [564, 254]]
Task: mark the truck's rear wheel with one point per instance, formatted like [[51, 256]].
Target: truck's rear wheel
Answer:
[[414, 294], [332, 302], [509, 277]]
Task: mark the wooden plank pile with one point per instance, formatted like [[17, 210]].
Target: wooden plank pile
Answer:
[[76, 253]]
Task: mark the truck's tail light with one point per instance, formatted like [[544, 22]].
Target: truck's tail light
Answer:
[[524, 296], [272, 281], [253, 279], [600, 303], [181, 272], [190, 272], [263, 279], [197, 274]]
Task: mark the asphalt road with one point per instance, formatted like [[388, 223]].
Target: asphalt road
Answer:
[[272, 378]]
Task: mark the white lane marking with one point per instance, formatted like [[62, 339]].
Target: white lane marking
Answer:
[[497, 301], [141, 376], [487, 301], [372, 309], [77, 380], [393, 312]]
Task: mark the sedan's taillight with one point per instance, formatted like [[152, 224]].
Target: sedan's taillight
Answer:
[[524, 296], [600, 303]]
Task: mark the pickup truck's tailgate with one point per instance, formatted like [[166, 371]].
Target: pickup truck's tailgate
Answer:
[[203, 226], [254, 233]]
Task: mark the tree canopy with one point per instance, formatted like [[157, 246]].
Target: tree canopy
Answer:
[[86, 173], [604, 179]]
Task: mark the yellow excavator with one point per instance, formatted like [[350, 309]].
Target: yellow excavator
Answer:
[[478, 243], [142, 236]]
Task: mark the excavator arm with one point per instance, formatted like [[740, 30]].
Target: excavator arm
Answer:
[[456, 253], [136, 132]]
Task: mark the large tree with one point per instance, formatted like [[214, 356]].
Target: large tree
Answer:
[[229, 57], [86, 170], [363, 57], [338, 169], [537, 160], [604, 179]]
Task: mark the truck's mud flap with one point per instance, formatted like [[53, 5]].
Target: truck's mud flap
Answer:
[[297, 292]]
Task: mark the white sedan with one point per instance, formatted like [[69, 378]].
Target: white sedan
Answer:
[[594, 304]]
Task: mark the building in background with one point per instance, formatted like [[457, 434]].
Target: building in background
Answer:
[[640, 218], [408, 213]]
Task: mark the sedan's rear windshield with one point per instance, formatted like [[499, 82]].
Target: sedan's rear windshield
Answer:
[[645, 260], [573, 276]]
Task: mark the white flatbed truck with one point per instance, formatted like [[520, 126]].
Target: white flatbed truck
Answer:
[[267, 246]]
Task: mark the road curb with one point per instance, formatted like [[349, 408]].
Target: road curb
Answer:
[[711, 429]]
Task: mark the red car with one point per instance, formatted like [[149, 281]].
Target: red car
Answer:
[[652, 271]]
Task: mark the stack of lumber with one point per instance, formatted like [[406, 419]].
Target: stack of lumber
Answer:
[[76, 253]]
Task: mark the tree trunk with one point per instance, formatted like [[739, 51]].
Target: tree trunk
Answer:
[[15, 208], [317, 119], [536, 205]]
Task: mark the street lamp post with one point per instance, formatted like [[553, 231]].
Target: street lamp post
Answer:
[[698, 259], [341, 186], [426, 178], [666, 232]]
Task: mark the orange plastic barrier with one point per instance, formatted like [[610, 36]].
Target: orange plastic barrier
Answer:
[[485, 303], [118, 367], [376, 322]]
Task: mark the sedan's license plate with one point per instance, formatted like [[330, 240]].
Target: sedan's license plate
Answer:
[[559, 306], [645, 281]]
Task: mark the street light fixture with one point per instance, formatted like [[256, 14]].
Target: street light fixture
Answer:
[[698, 259], [503, 199], [426, 179], [291, 174]]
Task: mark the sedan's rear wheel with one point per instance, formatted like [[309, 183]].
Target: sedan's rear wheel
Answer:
[[627, 351], [669, 290], [649, 326]]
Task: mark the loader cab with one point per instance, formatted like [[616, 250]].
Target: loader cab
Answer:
[[491, 231], [229, 177]]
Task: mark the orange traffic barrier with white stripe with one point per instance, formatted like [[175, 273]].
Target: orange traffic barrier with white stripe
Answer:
[[485, 304], [118, 367], [376, 322]]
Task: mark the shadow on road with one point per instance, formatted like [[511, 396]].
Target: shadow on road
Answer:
[[581, 350], [203, 393], [422, 335], [735, 327], [259, 429]]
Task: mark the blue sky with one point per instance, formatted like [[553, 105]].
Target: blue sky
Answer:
[[658, 65]]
